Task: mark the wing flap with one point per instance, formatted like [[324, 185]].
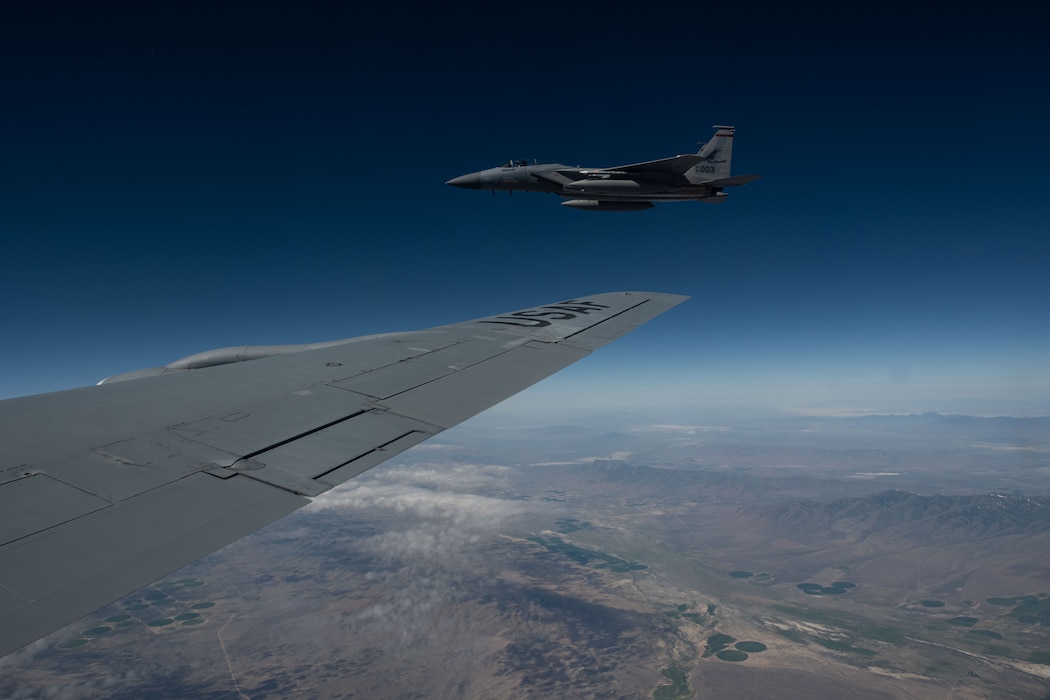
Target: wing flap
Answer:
[[370, 459]]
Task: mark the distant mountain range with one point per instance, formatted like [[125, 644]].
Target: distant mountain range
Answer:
[[945, 518], [1035, 427]]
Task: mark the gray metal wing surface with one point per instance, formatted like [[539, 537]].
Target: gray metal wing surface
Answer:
[[675, 165], [105, 489]]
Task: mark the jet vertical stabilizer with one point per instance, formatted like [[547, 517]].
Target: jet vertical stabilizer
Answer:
[[718, 154]]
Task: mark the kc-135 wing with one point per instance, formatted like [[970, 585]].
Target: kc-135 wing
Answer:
[[105, 489]]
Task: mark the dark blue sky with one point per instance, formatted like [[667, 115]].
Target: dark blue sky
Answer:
[[181, 176]]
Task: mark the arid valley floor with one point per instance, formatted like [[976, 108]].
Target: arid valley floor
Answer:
[[865, 557]]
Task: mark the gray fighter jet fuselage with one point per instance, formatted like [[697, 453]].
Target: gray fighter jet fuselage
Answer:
[[694, 177]]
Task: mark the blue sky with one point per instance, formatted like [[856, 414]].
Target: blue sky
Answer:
[[179, 177]]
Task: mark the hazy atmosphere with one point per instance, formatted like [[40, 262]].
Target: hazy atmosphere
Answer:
[[182, 178], [862, 364]]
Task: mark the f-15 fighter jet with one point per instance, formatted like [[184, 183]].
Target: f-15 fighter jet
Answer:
[[702, 176]]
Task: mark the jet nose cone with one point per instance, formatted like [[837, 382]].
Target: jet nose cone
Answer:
[[471, 181]]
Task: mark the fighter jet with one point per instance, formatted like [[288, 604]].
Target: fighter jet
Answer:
[[694, 177]]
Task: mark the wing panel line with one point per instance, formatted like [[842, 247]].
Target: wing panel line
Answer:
[[607, 319], [305, 434]]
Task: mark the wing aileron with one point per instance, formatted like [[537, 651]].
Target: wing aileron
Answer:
[[299, 465]]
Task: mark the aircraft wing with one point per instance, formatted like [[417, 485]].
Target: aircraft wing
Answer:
[[105, 489], [675, 165], [673, 168]]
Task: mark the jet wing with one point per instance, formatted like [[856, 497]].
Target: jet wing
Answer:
[[671, 169], [675, 165], [107, 488]]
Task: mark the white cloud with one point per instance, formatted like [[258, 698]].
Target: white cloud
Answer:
[[687, 429], [431, 551], [455, 477], [614, 457]]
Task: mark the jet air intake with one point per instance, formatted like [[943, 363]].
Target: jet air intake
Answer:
[[606, 205]]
